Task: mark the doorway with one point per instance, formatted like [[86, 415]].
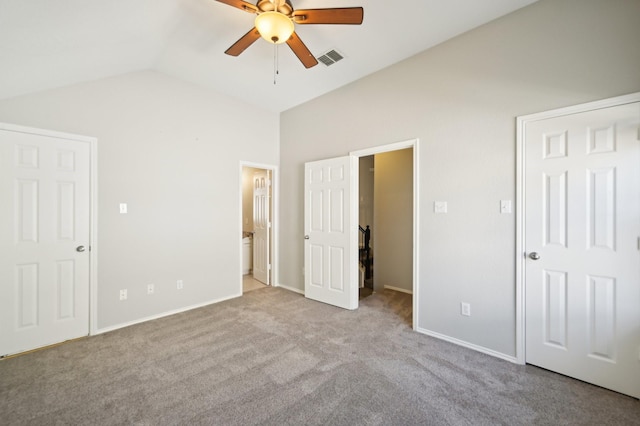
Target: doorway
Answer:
[[385, 213], [331, 227], [257, 213], [387, 209]]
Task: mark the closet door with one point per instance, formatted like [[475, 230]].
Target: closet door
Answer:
[[44, 239]]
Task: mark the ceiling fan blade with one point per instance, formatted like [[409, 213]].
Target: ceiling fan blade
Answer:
[[301, 51], [340, 15], [245, 41], [242, 5]]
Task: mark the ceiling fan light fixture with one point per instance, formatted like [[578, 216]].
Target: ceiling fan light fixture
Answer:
[[274, 27]]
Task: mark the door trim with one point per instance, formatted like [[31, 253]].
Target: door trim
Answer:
[[411, 143], [93, 209], [273, 242], [522, 122]]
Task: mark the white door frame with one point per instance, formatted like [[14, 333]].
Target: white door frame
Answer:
[[273, 243], [522, 122], [411, 143], [93, 209]]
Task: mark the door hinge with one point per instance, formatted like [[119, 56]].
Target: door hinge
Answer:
[[269, 267]]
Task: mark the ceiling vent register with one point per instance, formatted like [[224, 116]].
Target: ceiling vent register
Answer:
[[330, 58]]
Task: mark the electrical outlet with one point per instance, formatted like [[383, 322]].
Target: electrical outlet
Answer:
[[465, 309], [123, 294], [179, 284], [150, 289]]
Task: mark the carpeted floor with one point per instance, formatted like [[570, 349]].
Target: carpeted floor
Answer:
[[273, 357]]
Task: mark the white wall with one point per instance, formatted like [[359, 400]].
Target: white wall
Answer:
[[461, 99], [393, 220], [171, 151]]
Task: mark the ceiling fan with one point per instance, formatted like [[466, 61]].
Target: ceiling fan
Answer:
[[275, 23]]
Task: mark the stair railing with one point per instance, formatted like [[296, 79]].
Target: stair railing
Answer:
[[365, 250]]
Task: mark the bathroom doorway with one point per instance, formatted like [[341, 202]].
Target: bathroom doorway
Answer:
[[257, 214]]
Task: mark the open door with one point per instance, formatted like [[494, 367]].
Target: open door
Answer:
[[331, 231], [261, 226]]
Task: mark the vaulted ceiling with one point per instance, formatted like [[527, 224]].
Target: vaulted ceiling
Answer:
[[52, 43]]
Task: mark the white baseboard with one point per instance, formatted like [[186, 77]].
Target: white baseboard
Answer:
[[401, 290], [477, 348], [293, 289], [162, 315]]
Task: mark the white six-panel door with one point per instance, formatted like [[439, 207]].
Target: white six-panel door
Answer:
[[44, 240], [582, 230], [261, 225], [330, 224]]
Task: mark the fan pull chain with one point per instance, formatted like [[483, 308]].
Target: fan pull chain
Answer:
[[276, 71]]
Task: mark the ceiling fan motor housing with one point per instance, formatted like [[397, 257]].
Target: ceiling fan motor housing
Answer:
[[281, 6]]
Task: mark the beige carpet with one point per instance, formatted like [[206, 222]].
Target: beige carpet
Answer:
[[273, 357]]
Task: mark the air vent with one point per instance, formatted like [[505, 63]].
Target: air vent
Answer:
[[330, 58]]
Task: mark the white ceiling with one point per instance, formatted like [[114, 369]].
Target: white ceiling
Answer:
[[51, 43]]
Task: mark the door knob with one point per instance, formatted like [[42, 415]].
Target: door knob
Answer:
[[306, 237], [80, 249], [534, 255]]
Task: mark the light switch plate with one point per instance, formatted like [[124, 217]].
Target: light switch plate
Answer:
[[123, 208], [440, 206], [505, 206]]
